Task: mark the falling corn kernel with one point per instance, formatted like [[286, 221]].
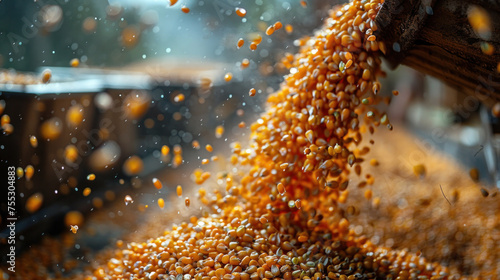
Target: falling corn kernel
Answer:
[[73, 218], [252, 92], [157, 183], [281, 188], [51, 128], [179, 190], [487, 48], [395, 92], [303, 3], [34, 202], [74, 229], [33, 141], [133, 165], [128, 199], [205, 161], [209, 148], [480, 21], [91, 177], [74, 62], [240, 43], [241, 12], [19, 172], [219, 131], [241, 125], [185, 9], [187, 201], [196, 144], [161, 203], [46, 76], [179, 98], [374, 162], [253, 46], [165, 150], [86, 191], [71, 153], [288, 28], [7, 128], [4, 120], [29, 171], [172, 2], [277, 25], [419, 170], [270, 30], [228, 77], [245, 63]]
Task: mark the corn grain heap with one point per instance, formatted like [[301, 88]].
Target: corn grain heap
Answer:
[[280, 217]]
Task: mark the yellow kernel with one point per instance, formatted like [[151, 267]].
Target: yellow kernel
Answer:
[[86, 191], [71, 153], [241, 12], [185, 9], [46, 76], [29, 171], [205, 161], [161, 203], [19, 172], [303, 3], [33, 141], [288, 28], [128, 199], [91, 177], [270, 30], [348, 64], [179, 190], [187, 201], [240, 43], [371, 38], [157, 183], [395, 92], [172, 2], [253, 46], [179, 98], [196, 144], [241, 125], [348, 56], [74, 62], [8, 128], [252, 92], [209, 148], [74, 229], [133, 165], [165, 150], [374, 162], [219, 131], [228, 77], [4, 120], [277, 25], [51, 128], [34, 202], [245, 63]]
